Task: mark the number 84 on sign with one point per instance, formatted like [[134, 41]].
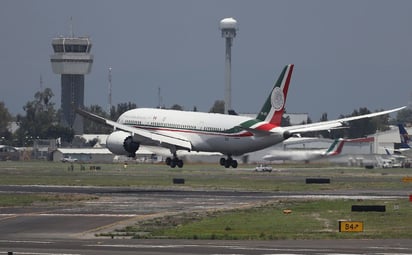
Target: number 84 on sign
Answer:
[[350, 226]]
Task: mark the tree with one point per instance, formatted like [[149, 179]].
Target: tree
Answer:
[[5, 119], [218, 107], [92, 127], [324, 117], [121, 108], [40, 120], [177, 107], [404, 116], [324, 133], [285, 121], [362, 127], [381, 122]]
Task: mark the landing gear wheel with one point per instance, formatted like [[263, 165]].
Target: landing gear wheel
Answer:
[[173, 162], [228, 162], [168, 161], [222, 161]]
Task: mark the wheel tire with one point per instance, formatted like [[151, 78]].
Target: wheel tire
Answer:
[[222, 161], [180, 163], [228, 163], [234, 163], [168, 161]]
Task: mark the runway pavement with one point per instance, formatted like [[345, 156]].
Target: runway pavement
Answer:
[[191, 247]]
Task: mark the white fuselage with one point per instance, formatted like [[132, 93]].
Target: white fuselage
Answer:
[[210, 132], [295, 155]]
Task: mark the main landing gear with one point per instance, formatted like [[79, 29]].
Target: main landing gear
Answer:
[[175, 161], [228, 162]]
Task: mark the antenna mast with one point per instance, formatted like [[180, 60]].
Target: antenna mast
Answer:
[[110, 91], [71, 27], [41, 83], [159, 98]]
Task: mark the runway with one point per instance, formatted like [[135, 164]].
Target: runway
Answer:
[[71, 228], [192, 247]]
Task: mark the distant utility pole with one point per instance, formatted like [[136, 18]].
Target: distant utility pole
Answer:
[[159, 98], [110, 91]]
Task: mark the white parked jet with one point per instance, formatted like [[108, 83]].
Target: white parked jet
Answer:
[[231, 135], [306, 155]]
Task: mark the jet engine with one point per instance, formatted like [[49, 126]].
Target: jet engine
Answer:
[[121, 143]]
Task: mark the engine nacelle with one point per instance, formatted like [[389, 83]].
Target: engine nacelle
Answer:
[[121, 143]]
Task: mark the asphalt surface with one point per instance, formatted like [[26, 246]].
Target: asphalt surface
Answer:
[[71, 228]]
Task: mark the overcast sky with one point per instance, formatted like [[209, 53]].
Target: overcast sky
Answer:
[[347, 54]]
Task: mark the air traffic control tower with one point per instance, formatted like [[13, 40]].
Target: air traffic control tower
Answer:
[[72, 60]]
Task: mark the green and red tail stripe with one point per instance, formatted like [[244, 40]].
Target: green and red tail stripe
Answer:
[[270, 116]]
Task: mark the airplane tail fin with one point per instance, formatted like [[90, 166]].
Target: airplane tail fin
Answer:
[[335, 148], [387, 151], [405, 139], [274, 106]]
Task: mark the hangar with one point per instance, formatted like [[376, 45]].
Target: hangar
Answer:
[[102, 155]]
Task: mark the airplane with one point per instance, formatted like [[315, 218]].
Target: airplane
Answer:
[[306, 155], [394, 155], [405, 139], [405, 145], [231, 135]]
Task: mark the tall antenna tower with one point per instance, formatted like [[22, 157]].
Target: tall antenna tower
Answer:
[[41, 83], [71, 27], [159, 98], [228, 27], [110, 91]]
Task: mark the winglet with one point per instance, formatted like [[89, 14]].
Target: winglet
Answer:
[[274, 106]]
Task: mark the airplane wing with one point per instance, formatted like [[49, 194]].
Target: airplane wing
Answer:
[[333, 124], [163, 140]]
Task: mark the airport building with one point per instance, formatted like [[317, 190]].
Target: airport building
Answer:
[[358, 152], [72, 60]]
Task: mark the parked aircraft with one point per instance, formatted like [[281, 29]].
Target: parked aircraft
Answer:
[[306, 155], [405, 145], [231, 135], [405, 139], [394, 155]]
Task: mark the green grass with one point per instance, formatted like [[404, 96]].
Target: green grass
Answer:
[[203, 176], [310, 219], [7, 200]]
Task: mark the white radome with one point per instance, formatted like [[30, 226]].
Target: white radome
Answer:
[[228, 23]]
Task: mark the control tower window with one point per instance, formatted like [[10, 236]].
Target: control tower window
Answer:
[[58, 48], [75, 48]]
